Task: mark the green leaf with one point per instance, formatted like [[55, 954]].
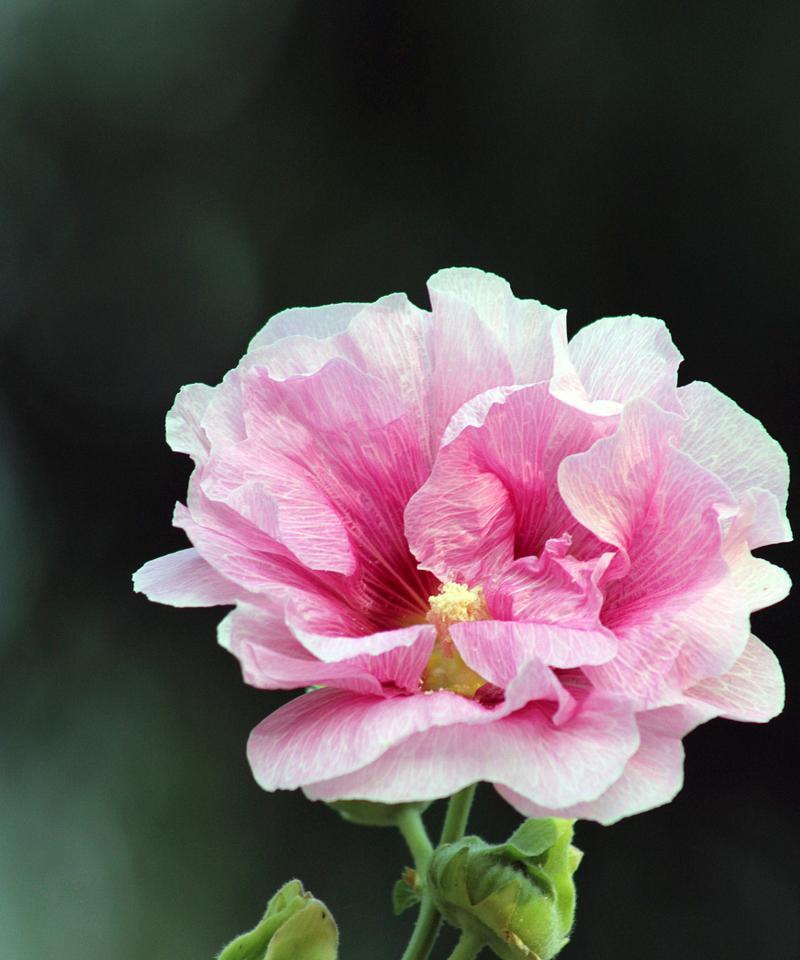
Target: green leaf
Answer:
[[404, 896]]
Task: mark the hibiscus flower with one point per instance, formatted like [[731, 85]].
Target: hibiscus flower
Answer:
[[493, 554]]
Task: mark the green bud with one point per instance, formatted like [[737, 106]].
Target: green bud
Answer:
[[295, 926], [518, 897], [369, 814]]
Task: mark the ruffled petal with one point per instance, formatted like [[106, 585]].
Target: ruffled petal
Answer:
[[664, 652], [273, 657], [329, 733], [651, 778], [548, 764], [523, 328], [317, 323], [554, 587], [498, 649], [185, 433], [636, 491], [280, 498], [492, 494], [733, 445]]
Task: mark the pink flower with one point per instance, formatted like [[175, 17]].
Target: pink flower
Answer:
[[497, 555]]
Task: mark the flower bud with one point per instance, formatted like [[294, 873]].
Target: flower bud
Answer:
[[518, 897], [294, 926], [369, 814]]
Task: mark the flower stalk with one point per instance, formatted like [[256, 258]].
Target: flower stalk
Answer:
[[428, 920]]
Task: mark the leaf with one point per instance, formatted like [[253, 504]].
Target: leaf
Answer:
[[403, 896]]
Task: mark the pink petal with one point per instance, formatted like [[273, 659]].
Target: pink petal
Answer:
[[329, 733], [274, 658], [753, 689], [184, 579], [460, 524], [466, 359], [315, 322], [669, 649], [185, 433], [523, 328], [651, 778], [550, 765], [492, 493], [616, 359], [721, 437], [498, 649], [552, 588], [280, 498], [333, 648], [636, 491]]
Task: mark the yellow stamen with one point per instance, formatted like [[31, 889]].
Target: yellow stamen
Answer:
[[445, 670]]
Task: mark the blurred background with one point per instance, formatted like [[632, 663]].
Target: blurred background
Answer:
[[172, 173]]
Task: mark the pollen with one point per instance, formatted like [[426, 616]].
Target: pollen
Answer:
[[446, 670]]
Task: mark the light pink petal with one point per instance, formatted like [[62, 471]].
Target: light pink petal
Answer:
[[637, 492], [279, 497], [550, 765], [552, 588], [497, 649], [184, 579], [223, 421], [753, 689], [328, 733], [185, 433], [333, 648], [391, 340], [730, 443], [338, 396], [466, 359], [616, 359], [523, 328], [274, 658], [651, 778], [460, 524], [668, 650], [759, 582], [318, 323], [492, 493], [352, 439]]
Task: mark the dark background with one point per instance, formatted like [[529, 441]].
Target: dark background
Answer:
[[173, 172]]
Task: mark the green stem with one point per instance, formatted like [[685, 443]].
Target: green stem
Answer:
[[468, 947], [425, 932], [455, 823], [428, 922], [416, 836]]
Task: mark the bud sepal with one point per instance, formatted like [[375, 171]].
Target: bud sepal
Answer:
[[294, 925], [516, 897]]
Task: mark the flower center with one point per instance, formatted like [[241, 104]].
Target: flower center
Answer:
[[445, 670]]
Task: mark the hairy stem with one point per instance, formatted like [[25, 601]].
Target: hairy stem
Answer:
[[429, 921], [416, 836], [468, 947], [455, 823]]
